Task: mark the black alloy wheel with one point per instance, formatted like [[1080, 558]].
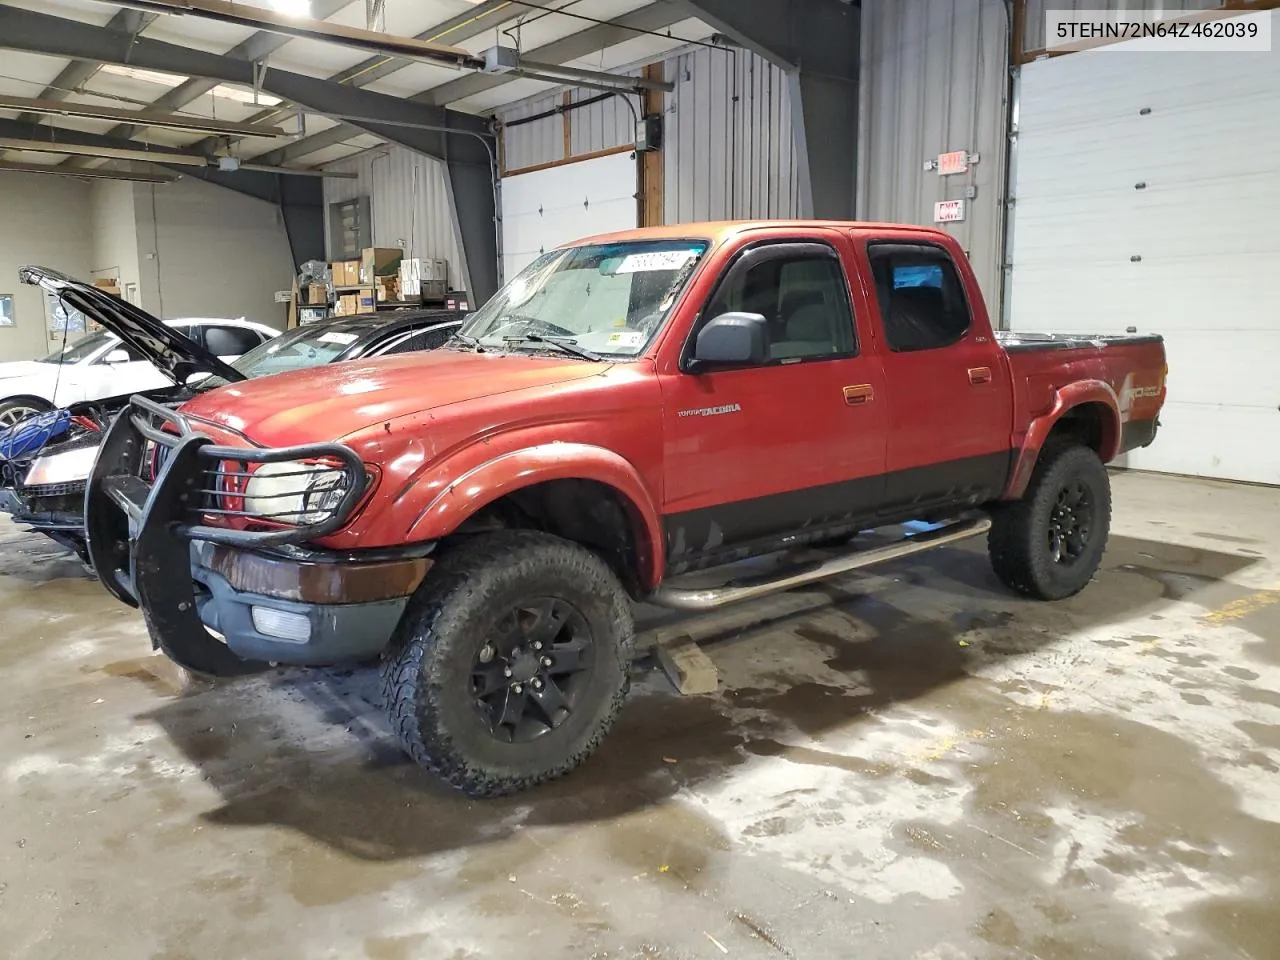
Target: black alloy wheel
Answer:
[[529, 673], [1071, 522]]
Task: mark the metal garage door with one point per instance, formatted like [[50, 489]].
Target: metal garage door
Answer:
[[545, 208], [1147, 196]]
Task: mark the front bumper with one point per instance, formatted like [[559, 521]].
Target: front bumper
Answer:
[[228, 601]]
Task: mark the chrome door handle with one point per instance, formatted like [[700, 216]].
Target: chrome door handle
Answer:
[[859, 394]]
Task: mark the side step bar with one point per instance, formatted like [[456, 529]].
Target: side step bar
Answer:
[[709, 598]]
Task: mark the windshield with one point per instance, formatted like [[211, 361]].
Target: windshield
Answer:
[[610, 299], [299, 348], [80, 349]]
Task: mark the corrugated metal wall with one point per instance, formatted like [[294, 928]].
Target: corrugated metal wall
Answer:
[[730, 153], [933, 80], [410, 204], [597, 126], [728, 150]]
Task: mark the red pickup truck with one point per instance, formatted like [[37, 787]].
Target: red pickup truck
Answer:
[[629, 408]]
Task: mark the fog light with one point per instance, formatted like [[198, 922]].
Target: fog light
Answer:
[[294, 627]]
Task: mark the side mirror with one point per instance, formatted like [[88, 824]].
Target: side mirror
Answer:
[[116, 356], [732, 338]]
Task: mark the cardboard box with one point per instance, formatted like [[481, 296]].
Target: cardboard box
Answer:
[[346, 273], [108, 286], [379, 262], [316, 294], [388, 289], [367, 299], [347, 305]]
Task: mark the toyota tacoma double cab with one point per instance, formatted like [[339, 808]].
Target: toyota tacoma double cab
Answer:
[[627, 409]]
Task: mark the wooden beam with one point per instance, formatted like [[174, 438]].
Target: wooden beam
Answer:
[[567, 123], [652, 170], [533, 168]]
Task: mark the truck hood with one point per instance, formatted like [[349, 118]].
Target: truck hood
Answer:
[[176, 356], [334, 401]]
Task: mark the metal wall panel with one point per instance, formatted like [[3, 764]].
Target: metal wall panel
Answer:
[[597, 126], [934, 80], [409, 198], [728, 145], [730, 153]]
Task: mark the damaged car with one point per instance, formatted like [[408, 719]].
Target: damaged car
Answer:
[[45, 459]]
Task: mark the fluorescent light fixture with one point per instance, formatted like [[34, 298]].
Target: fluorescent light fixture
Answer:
[[292, 8], [224, 90]]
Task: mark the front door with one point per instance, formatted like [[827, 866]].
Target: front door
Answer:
[[756, 453]]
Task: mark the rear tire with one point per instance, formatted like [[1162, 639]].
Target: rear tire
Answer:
[[1049, 544], [511, 662]]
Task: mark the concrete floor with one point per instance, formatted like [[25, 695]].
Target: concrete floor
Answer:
[[908, 764]]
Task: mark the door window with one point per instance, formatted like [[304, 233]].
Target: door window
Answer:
[[804, 299], [230, 341], [922, 302]]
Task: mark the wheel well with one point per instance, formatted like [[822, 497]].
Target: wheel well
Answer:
[[586, 512], [1089, 424], [35, 401]]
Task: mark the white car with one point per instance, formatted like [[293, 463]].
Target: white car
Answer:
[[100, 366]]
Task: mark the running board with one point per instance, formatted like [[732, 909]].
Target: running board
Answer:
[[709, 598]]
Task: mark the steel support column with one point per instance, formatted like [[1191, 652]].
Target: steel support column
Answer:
[[466, 158], [818, 43]]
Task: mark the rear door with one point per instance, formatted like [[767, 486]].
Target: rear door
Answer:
[[754, 453], [947, 386]]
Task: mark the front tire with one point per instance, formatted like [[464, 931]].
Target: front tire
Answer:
[[1049, 544], [17, 409], [511, 662]]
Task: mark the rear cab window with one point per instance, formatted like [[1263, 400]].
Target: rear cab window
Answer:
[[920, 294]]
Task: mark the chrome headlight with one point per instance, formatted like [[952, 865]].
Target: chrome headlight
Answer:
[[292, 492], [69, 466]]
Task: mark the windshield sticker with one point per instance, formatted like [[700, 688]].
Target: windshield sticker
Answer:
[[626, 338], [657, 260], [342, 338]]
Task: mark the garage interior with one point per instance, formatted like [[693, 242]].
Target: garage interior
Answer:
[[909, 761]]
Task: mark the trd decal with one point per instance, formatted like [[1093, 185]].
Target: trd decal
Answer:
[[710, 411]]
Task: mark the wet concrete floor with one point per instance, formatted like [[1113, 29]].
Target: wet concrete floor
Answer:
[[909, 763]]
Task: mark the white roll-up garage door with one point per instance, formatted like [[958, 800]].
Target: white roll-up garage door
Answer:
[[1147, 198], [544, 208]]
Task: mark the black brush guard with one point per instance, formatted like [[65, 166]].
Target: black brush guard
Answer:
[[139, 531]]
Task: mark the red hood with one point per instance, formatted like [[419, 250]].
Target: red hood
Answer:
[[328, 403]]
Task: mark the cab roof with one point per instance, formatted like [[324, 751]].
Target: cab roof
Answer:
[[719, 231]]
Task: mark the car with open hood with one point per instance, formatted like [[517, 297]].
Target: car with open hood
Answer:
[[45, 459]]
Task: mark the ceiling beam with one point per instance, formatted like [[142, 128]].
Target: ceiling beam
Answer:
[[257, 46], [93, 173], [272, 21], [78, 72], [656, 16], [168, 121], [80, 149], [464, 26]]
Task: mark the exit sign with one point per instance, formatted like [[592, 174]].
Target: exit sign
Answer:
[[948, 211], [957, 161]]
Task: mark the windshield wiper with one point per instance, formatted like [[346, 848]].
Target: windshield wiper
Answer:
[[467, 341], [565, 344]]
